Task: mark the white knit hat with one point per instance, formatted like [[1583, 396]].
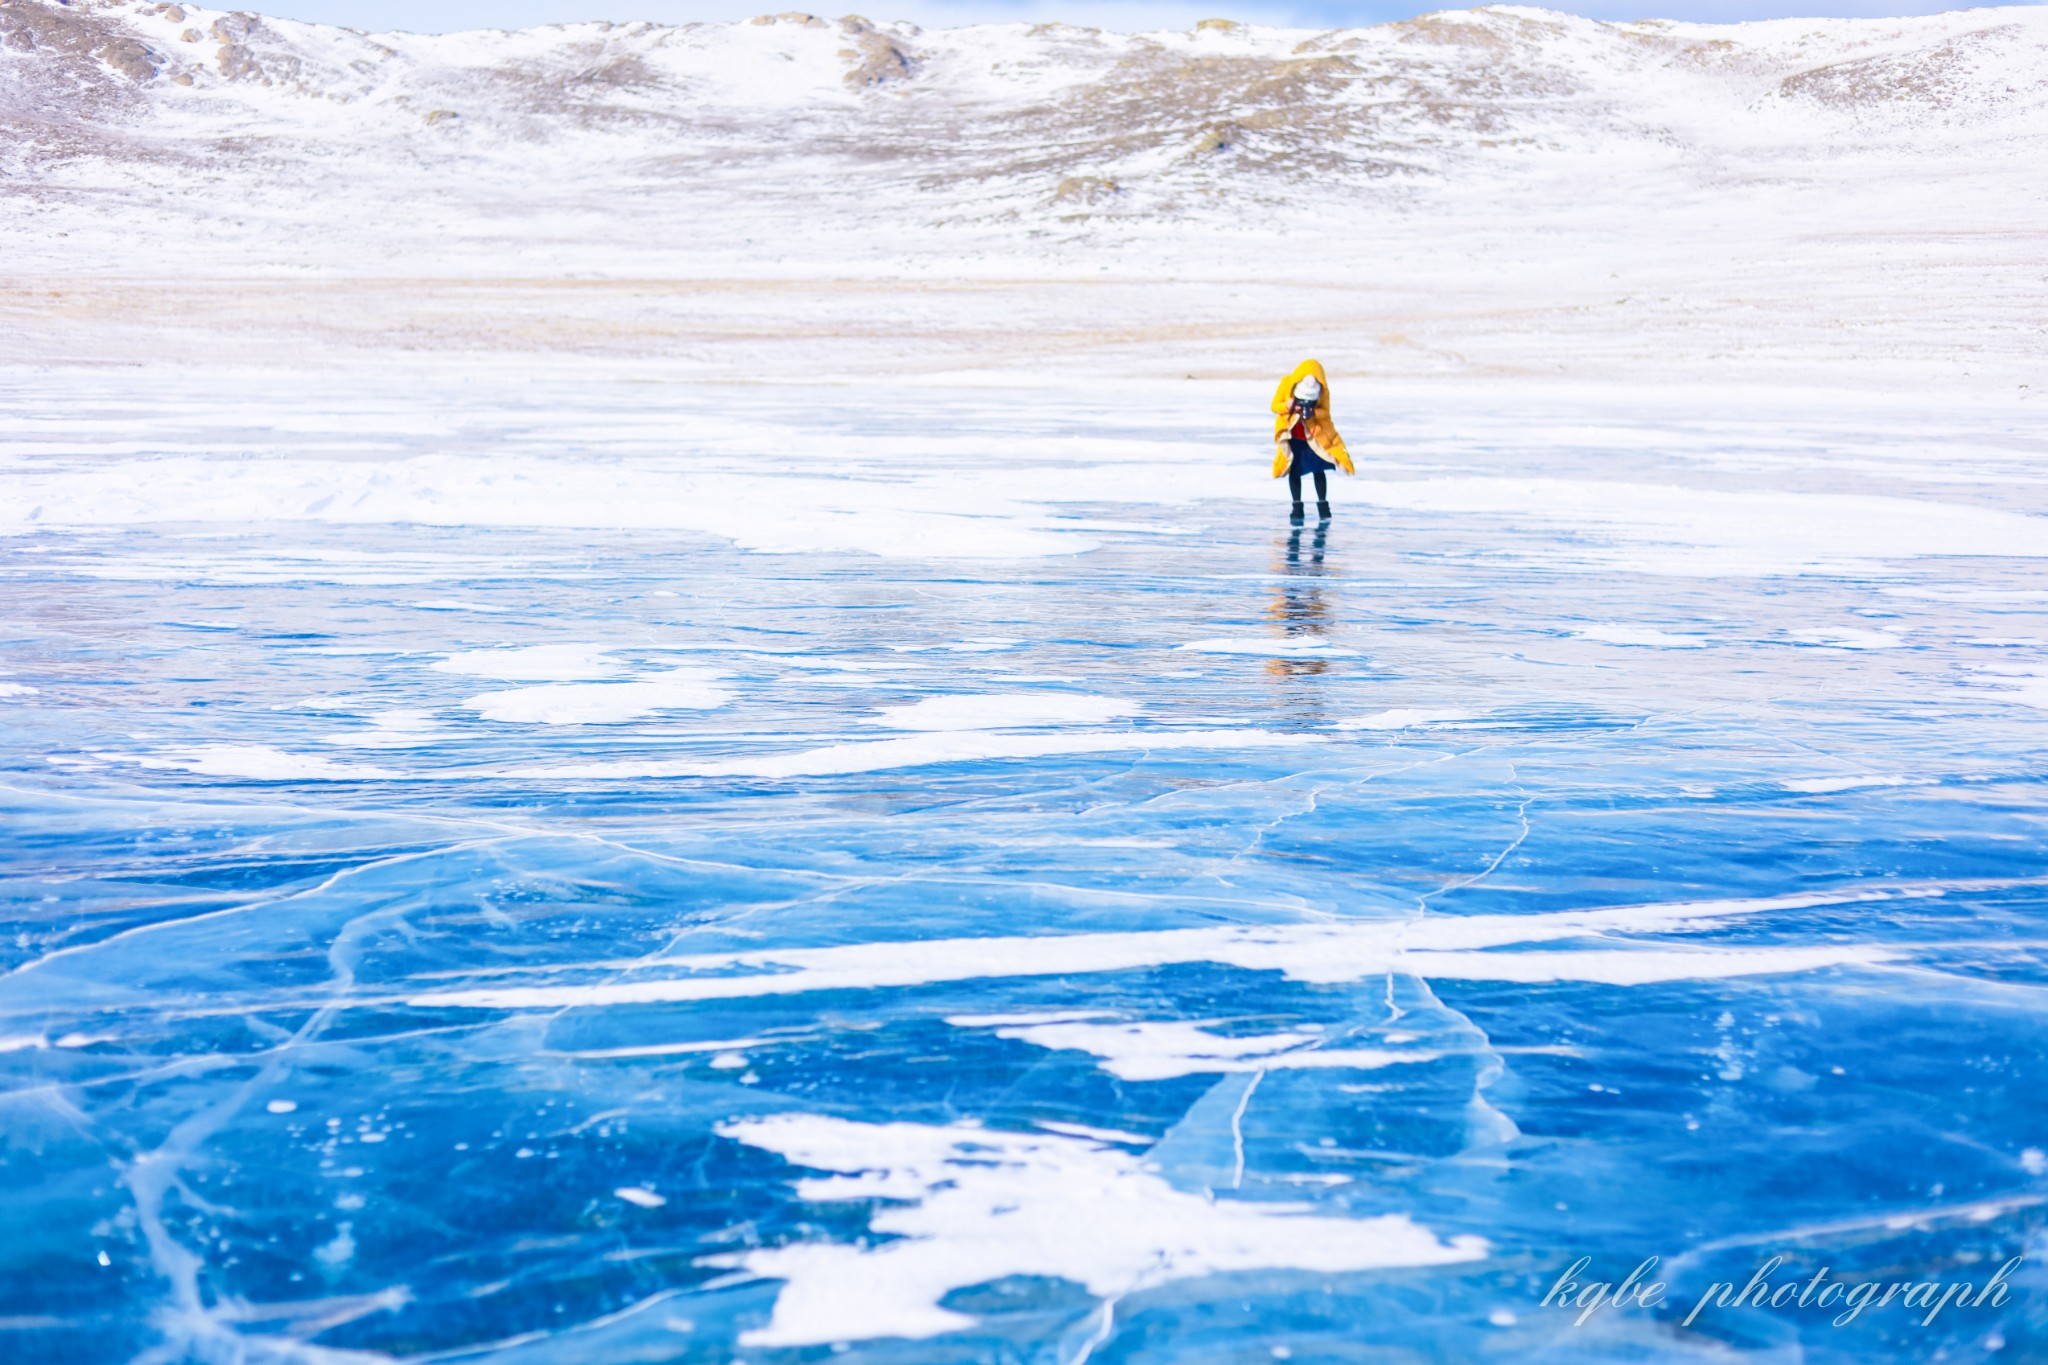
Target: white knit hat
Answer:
[[1309, 390]]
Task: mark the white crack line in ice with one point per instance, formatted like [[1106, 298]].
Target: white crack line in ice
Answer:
[[1237, 1130], [1460, 883], [263, 903], [1091, 897], [1977, 1211], [1156, 1050], [190, 1325], [1497, 1126], [839, 883], [1486, 1124], [1315, 796], [1102, 1331]]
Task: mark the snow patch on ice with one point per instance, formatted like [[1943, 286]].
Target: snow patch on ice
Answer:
[[455, 604], [1098, 1134], [889, 516], [1002, 710], [535, 663], [1297, 647], [1856, 783], [981, 644], [399, 729], [1402, 718], [1698, 532], [255, 761], [2020, 685], [971, 1205], [600, 703], [1160, 1050], [916, 751], [8, 689], [1640, 635], [1849, 638]]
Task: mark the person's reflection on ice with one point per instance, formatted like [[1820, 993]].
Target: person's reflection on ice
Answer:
[[1301, 606]]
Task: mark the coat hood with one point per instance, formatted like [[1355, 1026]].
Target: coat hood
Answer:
[[1283, 397]]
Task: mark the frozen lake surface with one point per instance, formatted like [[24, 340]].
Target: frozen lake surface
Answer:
[[596, 871]]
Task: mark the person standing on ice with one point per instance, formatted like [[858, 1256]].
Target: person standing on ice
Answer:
[[1305, 440]]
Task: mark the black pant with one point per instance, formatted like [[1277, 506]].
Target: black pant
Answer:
[[1322, 486]]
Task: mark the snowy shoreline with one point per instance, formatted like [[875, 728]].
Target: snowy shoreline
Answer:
[[1499, 194]]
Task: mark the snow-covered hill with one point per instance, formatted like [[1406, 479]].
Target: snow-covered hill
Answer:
[[1504, 190]]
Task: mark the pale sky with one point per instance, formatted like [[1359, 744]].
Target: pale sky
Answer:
[[442, 16]]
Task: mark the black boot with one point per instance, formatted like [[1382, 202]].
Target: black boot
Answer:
[[1296, 516], [1323, 510]]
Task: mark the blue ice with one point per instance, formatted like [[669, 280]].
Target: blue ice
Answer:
[[1066, 915]]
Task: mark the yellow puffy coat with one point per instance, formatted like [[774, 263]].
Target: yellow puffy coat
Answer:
[[1322, 432]]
